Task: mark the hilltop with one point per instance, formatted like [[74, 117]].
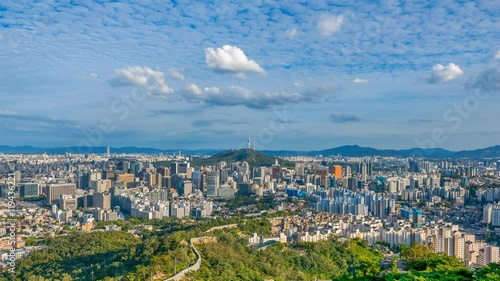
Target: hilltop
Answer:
[[253, 157]]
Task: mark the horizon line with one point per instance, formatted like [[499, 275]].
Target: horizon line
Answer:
[[224, 149]]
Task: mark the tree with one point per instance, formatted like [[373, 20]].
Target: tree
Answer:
[[490, 272], [415, 252]]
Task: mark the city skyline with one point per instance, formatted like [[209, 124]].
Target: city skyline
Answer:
[[297, 76]]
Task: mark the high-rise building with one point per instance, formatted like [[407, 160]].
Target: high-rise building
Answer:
[[67, 202], [417, 217], [127, 179], [185, 188], [174, 168], [352, 184], [491, 255], [183, 168], [83, 179], [212, 183], [495, 215], [54, 192], [244, 189], [4, 190], [322, 171], [299, 170], [348, 172], [102, 200], [164, 171], [17, 178], [337, 171], [29, 190], [100, 185], [487, 210], [458, 245], [224, 174]]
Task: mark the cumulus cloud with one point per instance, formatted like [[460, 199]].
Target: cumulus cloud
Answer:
[[176, 74], [359, 81], [441, 73], [329, 24], [152, 81], [291, 33], [235, 96], [337, 117], [230, 59]]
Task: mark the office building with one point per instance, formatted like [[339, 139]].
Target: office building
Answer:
[[213, 183], [102, 200], [67, 202], [29, 189], [54, 192]]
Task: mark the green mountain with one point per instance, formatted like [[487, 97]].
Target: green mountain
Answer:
[[253, 157]]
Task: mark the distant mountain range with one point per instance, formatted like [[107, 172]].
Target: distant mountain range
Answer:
[[26, 149], [359, 151], [347, 150]]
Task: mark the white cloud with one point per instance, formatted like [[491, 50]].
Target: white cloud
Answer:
[[152, 81], [497, 55], [194, 89], [359, 81], [441, 73], [230, 59], [291, 33], [176, 74], [329, 24], [235, 95]]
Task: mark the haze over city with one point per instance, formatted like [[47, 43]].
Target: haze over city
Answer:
[[292, 75]]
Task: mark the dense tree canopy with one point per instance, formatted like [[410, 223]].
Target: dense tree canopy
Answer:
[[120, 256]]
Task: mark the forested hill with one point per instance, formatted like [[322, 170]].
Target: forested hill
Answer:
[[253, 157], [120, 256]]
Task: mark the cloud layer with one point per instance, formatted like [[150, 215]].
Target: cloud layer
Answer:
[[161, 47], [239, 96]]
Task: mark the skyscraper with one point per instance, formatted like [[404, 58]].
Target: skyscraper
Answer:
[[17, 178], [212, 183], [337, 171], [364, 171]]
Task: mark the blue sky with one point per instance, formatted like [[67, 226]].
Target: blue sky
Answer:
[[290, 74]]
